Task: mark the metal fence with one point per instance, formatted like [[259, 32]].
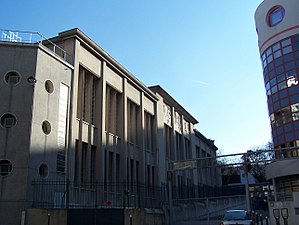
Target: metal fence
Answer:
[[67, 194], [204, 191]]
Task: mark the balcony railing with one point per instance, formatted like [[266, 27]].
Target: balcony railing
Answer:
[[283, 153], [30, 37]]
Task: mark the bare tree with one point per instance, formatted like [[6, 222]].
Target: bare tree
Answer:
[[257, 159]]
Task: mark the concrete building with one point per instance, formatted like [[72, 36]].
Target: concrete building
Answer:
[[79, 130], [277, 25]]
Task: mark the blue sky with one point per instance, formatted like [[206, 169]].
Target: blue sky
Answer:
[[203, 53]]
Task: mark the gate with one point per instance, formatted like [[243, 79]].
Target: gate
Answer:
[[95, 216]]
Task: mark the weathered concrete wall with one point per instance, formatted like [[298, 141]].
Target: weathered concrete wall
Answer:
[[144, 216], [46, 216]]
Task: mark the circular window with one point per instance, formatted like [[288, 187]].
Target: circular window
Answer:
[[49, 86], [12, 78], [275, 15], [43, 170], [8, 120], [5, 167], [46, 126]]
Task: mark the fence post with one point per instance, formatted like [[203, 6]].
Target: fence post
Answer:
[[257, 217], [67, 193], [267, 223]]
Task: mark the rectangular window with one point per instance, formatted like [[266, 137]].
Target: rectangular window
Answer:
[[168, 141], [87, 96], [276, 47], [277, 54], [133, 123], [148, 131], [93, 101], [287, 50], [62, 127], [180, 154], [113, 111], [83, 175], [92, 164], [187, 149]]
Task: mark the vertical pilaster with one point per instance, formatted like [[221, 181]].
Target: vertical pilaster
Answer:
[[100, 159], [143, 149], [124, 125]]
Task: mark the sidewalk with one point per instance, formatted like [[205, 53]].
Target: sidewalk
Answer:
[[199, 222]]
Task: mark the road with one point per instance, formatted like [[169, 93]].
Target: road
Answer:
[[211, 222]]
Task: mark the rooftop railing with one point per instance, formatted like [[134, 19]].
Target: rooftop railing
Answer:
[[30, 37]]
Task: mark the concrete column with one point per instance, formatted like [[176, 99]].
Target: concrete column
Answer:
[[100, 159], [100, 103], [72, 129], [124, 135], [80, 112], [88, 153], [143, 149]]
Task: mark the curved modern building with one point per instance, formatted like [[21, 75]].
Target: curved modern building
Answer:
[[277, 26]]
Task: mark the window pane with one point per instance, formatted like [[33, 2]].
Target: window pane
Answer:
[[273, 82], [277, 54], [280, 78], [269, 51], [282, 85], [276, 47], [295, 107], [287, 50], [286, 42], [274, 89]]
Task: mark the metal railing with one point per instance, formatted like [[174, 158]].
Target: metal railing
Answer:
[[67, 194], [30, 37]]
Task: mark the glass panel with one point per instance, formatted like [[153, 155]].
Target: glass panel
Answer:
[[289, 66], [282, 85], [267, 86], [263, 56], [295, 107], [288, 57], [296, 46], [265, 64], [278, 122], [273, 81], [277, 54], [276, 47], [279, 70], [287, 50], [291, 73], [278, 61], [274, 89], [287, 118], [272, 117], [292, 81], [286, 42], [270, 58], [268, 92], [276, 16], [269, 51], [280, 78]]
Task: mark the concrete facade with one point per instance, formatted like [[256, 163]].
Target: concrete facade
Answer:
[[277, 24], [70, 112]]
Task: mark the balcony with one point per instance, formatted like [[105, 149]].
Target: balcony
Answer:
[[285, 163]]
